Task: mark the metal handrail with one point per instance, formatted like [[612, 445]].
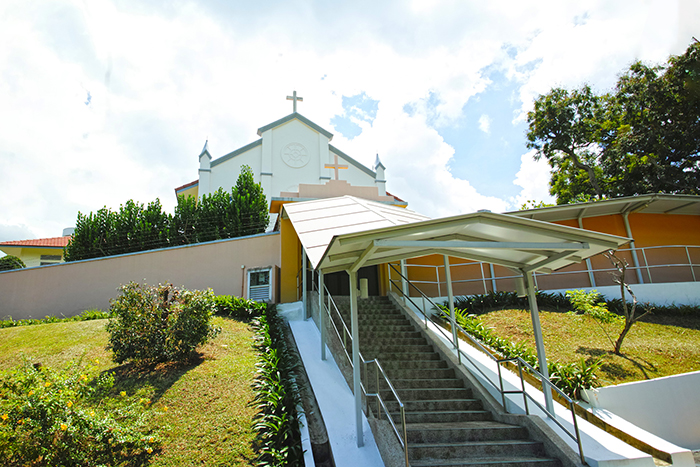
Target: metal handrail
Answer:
[[576, 436], [646, 266], [402, 438]]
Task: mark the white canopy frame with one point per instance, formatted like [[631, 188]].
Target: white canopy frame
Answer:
[[522, 245]]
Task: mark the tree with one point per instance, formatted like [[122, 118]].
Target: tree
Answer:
[[9, 262], [251, 204], [629, 311], [641, 137]]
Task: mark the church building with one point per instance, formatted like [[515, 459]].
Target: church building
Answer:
[[293, 160]]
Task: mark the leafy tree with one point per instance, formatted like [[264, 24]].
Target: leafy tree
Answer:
[[641, 137], [251, 204], [183, 223], [9, 262]]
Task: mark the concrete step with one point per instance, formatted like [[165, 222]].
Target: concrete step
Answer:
[[419, 373], [431, 383], [478, 449], [423, 394], [408, 365], [373, 342], [519, 461], [410, 349], [400, 357], [464, 431], [436, 406], [443, 416]]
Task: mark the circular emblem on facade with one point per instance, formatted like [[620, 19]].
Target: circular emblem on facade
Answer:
[[295, 155]]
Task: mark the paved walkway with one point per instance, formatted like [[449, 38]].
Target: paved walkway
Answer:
[[335, 400]]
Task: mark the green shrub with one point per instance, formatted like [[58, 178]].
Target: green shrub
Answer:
[[9, 262], [238, 308], [65, 418], [591, 303], [151, 324], [570, 378], [278, 437]]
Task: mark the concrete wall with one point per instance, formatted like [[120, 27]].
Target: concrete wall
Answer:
[[668, 407], [70, 288]]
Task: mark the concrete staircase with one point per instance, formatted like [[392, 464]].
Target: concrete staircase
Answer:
[[447, 424]]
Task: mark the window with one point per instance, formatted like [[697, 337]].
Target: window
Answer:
[[259, 285], [45, 260]]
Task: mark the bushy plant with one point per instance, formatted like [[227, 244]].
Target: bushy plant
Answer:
[[484, 303], [9, 262], [278, 437], [237, 307], [163, 323], [64, 417], [570, 378]]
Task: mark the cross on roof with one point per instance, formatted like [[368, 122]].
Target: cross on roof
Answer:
[[294, 98], [335, 166]]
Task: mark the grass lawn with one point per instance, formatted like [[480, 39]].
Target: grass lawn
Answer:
[[207, 420], [661, 346]]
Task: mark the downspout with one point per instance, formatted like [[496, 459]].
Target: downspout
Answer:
[[303, 283], [625, 219]]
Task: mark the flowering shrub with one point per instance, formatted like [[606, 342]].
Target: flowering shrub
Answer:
[[51, 418], [161, 323]]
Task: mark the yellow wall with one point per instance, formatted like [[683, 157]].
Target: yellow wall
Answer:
[[290, 261], [31, 256], [191, 191]]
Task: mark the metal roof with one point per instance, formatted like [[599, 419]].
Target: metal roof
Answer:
[[648, 204], [520, 244], [317, 222]]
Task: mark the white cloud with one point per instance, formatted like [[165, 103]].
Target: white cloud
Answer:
[[165, 78], [533, 178], [485, 123]]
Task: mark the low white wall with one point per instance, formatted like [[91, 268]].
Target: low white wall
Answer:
[[667, 407], [680, 293], [70, 288]]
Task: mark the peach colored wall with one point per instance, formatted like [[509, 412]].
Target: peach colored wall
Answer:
[[70, 288]]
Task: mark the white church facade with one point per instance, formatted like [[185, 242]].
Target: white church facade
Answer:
[[293, 160]]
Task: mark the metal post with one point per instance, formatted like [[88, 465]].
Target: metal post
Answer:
[[404, 283], [633, 248], [321, 315], [303, 284], [539, 342], [356, 389], [493, 277], [589, 268], [450, 299]]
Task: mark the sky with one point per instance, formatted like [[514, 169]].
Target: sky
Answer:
[[105, 101]]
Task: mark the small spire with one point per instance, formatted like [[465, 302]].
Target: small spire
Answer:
[[206, 147], [378, 163]]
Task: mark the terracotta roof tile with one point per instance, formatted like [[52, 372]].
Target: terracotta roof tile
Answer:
[[47, 242]]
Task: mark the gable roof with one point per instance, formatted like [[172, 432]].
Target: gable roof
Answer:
[[352, 161], [648, 204], [301, 118], [317, 221], [238, 151], [53, 242], [519, 244]]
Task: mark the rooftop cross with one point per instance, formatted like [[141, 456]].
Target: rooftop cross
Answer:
[[335, 166], [294, 98]]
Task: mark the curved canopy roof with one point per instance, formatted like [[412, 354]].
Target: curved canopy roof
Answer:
[[347, 233]]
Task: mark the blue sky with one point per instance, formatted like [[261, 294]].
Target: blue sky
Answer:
[[106, 101]]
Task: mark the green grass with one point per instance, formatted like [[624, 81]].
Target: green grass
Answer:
[[661, 346], [207, 420]]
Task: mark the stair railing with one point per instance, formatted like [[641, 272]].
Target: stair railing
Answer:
[[576, 436], [379, 372]]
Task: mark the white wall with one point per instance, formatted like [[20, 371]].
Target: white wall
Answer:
[[680, 293], [667, 407], [69, 289]]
